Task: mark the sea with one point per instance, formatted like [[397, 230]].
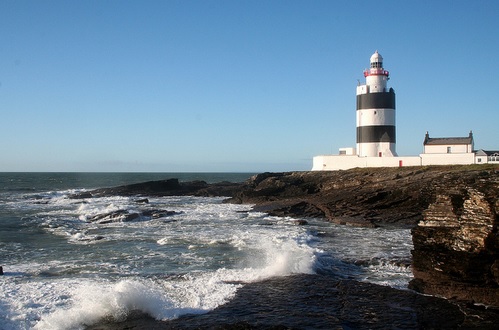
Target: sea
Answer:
[[64, 270]]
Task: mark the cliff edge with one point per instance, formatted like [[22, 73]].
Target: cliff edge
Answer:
[[456, 245], [359, 197]]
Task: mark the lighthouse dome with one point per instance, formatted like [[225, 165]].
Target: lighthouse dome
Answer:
[[376, 57]]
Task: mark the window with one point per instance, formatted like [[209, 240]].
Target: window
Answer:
[[449, 150]]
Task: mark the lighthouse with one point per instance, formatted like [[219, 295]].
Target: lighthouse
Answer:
[[375, 112], [376, 134]]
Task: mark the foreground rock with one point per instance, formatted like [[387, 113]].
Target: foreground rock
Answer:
[[456, 246], [323, 302]]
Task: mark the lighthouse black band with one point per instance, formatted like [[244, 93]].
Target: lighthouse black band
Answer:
[[366, 134], [383, 100]]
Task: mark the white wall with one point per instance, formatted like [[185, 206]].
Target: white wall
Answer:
[[377, 83], [481, 159], [448, 159], [442, 149], [347, 151], [361, 89], [333, 162]]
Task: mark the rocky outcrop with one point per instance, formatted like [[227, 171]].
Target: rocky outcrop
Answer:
[[358, 197], [456, 245], [169, 187], [127, 216]]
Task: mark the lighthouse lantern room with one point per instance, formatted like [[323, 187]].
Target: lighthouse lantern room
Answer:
[[375, 112]]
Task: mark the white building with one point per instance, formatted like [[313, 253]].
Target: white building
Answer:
[[376, 134], [487, 156], [448, 151]]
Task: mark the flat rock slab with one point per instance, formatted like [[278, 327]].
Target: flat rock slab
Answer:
[[323, 302]]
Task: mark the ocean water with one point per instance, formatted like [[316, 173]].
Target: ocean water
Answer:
[[64, 271]]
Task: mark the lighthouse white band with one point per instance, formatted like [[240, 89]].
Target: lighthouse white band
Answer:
[[375, 117]]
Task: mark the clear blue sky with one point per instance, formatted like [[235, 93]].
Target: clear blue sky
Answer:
[[233, 85]]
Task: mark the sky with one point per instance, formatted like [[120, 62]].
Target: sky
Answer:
[[234, 86]]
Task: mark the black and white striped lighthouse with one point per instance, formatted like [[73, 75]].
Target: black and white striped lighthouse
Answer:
[[375, 113]]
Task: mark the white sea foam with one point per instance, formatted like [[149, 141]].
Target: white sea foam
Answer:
[[166, 268], [69, 303], [77, 302], [91, 302]]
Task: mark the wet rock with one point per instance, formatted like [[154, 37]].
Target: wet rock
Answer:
[[127, 216], [323, 302], [299, 207], [115, 216], [1, 270], [156, 214], [82, 195]]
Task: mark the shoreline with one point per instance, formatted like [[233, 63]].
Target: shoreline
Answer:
[[453, 212]]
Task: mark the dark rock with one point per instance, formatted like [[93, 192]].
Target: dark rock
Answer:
[[302, 208], [115, 216], [322, 302], [131, 217], [126, 216], [82, 195], [142, 201], [1, 270], [169, 187], [155, 214]]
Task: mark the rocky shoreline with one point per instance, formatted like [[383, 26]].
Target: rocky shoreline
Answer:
[[453, 212], [324, 303]]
